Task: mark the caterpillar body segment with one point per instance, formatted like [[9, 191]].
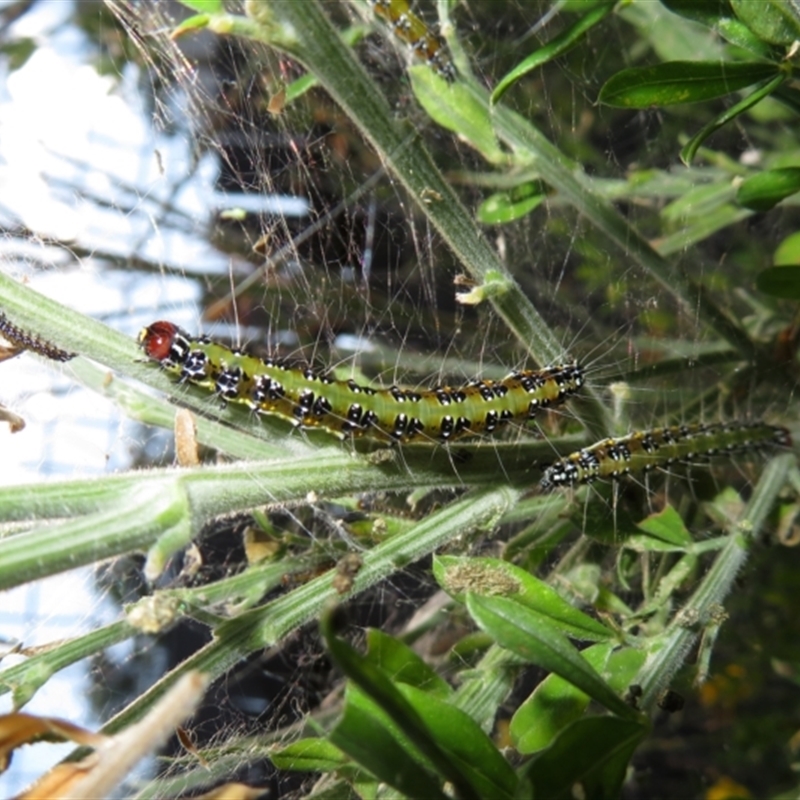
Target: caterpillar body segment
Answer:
[[409, 28]]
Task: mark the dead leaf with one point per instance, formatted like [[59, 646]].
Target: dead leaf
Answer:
[[17, 729]]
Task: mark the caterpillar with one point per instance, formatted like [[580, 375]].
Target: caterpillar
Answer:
[[642, 451], [409, 28], [314, 399], [20, 340]]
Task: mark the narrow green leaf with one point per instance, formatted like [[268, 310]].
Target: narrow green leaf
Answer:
[[699, 228], [463, 739], [782, 282], [681, 82], [588, 759], [492, 576], [193, 23], [622, 667], [309, 755], [764, 191], [736, 32], [788, 251], [553, 704], [775, 21], [650, 544], [532, 637], [667, 526], [699, 201], [708, 12], [403, 665], [504, 207], [469, 749], [689, 150], [719, 15], [377, 686], [455, 107], [297, 88], [561, 44], [204, 6], [369, 743], [789, 96]]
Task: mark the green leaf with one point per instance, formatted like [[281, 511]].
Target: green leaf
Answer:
[[469, 749], [493, 576], [719, 15], [689, 150], [622, 667], [403, 665], [455, 107], [508, 206], [354, 732], [555, 703], [788, 251], [764, 191], [697, 202], [193, 23], [533, 638], [369, 743], [789, 97], [782, 282], [462, 738], [309, 755], [205, 6], [681, 82], [561, 44], [775, 21], [667, 528], [588, 759], [736, 32], [708, 12]]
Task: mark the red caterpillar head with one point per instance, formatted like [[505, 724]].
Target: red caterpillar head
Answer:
[[164, 342]]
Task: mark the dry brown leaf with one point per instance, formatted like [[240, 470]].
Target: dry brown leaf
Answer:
[[17, 729], [15, 422], [128, 747], [189, 746], [60, 781], [8, 351], [114, 756]]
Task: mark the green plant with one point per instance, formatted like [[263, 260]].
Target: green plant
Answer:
[[655, 580]]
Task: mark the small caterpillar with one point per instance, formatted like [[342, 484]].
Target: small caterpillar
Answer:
[[409, 28], [643, 451], [20, 340], [314, 399]]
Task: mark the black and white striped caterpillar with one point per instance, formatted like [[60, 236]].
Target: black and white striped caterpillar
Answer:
[[314, 399], [642, 451]]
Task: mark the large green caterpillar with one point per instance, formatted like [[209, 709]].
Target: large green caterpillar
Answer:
[[643, 451], [314, 399]]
